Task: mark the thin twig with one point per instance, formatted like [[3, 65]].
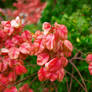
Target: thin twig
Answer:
[[79, 74], [80, 51], [42, 85], [67, 84], [70, 61], [80, 58], [32, 65], [75, 79], [56, 90], [55, 1], [88, 81], [34, 79], [25, 79], [71, 82]]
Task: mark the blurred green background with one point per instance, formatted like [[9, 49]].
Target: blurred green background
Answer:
[[77, 16]]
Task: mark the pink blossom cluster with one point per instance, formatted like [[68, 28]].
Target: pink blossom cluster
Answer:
[[15, 46], [89, 61], [29, 10], [52, 49]]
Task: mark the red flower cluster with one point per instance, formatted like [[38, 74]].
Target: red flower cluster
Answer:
[[15, 45], [29, 10], [52, 49], [89, 61]]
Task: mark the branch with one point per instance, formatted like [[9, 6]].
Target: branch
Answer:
[[26, 78], [55, 1], [71, 81], [75, 79], [67, 84], [78, 73]]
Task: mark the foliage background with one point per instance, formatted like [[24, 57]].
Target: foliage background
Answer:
[[77, 16]]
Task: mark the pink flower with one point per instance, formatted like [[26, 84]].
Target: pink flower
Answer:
[[17, 40], [60, 74], [9, 43], [52, 76], [49, 41], [53, 65], [68, 45], [42, 74], [4, 51], [25, 48], [2, 35], [12, 76], [89, 58], [13, 53], [63, 61], [3, 80], [16, 23], [61, 31], [25, 88], [14, 62], [46, 27], [7, 28], [42, 58], [90, 68], [20, 69], [12, 89], [27, 36], [67, 53], [38, 46]]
